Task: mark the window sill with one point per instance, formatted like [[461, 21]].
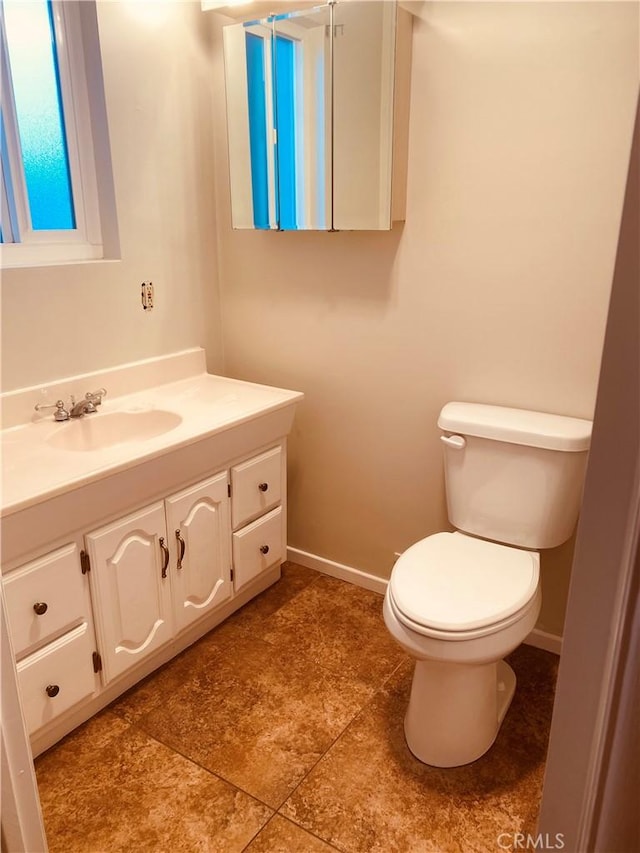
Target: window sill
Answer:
[[14, 255]]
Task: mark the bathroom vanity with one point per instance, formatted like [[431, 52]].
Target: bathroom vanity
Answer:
[[129, 533]]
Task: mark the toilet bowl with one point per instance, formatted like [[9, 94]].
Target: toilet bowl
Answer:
[[460, 602], [458, 635]]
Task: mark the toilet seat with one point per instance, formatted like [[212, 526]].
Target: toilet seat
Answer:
[[454, 586], [453, 636]]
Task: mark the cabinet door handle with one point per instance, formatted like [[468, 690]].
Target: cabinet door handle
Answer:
[[52, 690], [263, 487], [40, 607], [264, 549], [165, 551], [183, 546]]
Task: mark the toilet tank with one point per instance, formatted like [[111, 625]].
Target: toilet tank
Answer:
[[512, 475]]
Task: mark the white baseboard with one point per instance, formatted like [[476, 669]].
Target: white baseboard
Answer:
[[537, 638], [337, 570], [544, 640]]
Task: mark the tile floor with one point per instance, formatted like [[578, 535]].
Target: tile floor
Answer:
[[281, 730]]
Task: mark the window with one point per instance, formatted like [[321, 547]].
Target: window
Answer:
[[55, 182]]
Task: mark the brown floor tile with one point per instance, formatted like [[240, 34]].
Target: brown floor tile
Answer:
[[339, 626], [79, 749], [155, 689], [369, 793], [137, 795], [261, 718], [282, 836], [252, 619]]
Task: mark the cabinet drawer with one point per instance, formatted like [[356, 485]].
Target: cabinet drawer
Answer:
[[256, 486], [44, 598], [67, 664], [257, 547]]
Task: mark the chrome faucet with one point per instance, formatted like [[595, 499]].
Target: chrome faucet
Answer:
[[86, 406]]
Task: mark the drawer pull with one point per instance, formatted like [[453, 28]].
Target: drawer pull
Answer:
[[52, 690], [165, 552], [264, 487], [183, 546], [264, 549], [40, 608]]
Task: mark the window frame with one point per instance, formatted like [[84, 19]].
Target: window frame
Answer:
[[44, 247]]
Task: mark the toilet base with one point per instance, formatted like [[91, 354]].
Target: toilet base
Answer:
[[455, 710]]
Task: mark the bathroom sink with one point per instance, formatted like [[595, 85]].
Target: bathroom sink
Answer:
[[96, 432]]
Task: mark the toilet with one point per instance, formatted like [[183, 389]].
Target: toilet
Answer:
[[459, 602]]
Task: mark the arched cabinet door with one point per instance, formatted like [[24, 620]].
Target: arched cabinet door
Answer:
[[198, 527], [132, 588]]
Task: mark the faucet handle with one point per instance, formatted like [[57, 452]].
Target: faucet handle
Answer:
[[60, 414], [96, 396]]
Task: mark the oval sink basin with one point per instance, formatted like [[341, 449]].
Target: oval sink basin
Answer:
[[96, 432]]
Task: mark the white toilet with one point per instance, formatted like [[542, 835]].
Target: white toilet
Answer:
[[459, 602]]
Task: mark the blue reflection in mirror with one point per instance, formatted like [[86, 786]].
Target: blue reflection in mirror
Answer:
[[258, 129], [286, 139], [278, 97]]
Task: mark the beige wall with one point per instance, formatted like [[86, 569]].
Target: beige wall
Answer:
[[495, 290], [63, 320]]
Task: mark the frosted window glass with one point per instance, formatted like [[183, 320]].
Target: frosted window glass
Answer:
[[34, 71]]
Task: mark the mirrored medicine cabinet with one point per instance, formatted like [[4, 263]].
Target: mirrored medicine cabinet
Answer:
[[317, 114]]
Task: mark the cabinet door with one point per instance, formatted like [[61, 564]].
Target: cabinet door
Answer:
[[199, 528], [132, 588]]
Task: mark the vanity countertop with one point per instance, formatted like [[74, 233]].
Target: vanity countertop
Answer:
[[43, 458]]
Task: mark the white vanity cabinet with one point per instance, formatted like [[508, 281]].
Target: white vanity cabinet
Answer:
[[49, 612], [157, 570], [121, 547], [91, 618]]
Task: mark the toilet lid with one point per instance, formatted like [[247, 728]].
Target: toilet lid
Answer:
[[454, 582]]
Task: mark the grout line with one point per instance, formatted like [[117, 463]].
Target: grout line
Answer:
[[196, 763], [338, 737], [253, 837], [288, 819], [274, 811]]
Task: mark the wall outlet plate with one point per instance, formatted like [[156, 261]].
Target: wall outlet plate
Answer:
[[147, 295]]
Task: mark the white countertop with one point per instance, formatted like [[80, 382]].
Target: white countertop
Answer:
[[35, 469]]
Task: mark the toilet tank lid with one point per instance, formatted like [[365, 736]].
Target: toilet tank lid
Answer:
[[516, 426]]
